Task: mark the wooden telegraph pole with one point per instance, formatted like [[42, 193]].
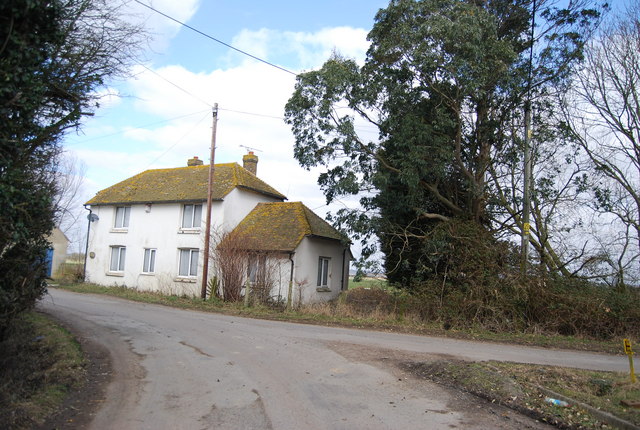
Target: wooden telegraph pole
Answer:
[[526, 210], [207, 234]]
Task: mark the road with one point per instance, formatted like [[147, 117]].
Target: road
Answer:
[[177, 369]]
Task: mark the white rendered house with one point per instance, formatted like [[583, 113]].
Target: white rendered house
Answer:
[[298, 248], [148, 232]]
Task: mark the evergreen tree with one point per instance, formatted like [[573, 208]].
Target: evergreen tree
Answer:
[[444, 82], [54, 55]]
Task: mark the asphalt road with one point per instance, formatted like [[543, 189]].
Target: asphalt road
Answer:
[[177, 369]]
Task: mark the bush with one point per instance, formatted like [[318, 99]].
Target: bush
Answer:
[[476, 281]]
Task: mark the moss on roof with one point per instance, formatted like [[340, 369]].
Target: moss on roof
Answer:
[[182, 184], [282, 226]]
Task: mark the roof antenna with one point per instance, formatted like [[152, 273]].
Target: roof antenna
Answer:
[[249, 149]]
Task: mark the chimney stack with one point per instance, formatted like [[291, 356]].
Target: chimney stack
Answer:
[[250, 162], [195, 161]]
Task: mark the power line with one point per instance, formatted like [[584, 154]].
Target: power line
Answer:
[[178, 141], [176, 85], [138, 127], [214, 39], [253, 114]]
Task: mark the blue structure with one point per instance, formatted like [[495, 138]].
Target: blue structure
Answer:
[[49, 262]]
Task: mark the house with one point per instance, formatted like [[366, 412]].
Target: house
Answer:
[[57, 252], [289, 241], [148, 233]]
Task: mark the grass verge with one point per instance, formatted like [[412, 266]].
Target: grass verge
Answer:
[[516, 386], [40, 362], [349, 315]]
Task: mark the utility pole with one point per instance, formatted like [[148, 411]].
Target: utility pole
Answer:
[[207, 233], [526, 210]]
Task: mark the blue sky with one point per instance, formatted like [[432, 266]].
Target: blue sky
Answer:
[[146, 122]]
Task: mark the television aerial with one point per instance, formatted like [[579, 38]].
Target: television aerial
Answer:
[[249, 149]]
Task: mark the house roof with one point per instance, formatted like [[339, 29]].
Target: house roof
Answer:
[[182, 184], [282, 226]]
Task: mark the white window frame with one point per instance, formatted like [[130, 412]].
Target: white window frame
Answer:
[[191, 264], [324, 265], [149, 260], [121, 221], [191, 216], [117, 259]]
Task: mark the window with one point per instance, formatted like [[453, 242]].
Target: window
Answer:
[[149, 263], [122, 217], [323, 271], [188, 262], [257, 268], [191, 216], [118, 254]]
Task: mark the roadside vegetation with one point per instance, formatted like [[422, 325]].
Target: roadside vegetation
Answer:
[[378, 308], [40, 363], [530, 388]]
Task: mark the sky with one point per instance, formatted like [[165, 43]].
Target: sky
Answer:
[[161, 115]]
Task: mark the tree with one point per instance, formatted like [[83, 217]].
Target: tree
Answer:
[[69, 212], [443, 83], [603, 114], [54, 56]]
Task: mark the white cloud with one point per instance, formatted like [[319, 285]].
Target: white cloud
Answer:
[[250, 86], [309, 50], [160, 28]]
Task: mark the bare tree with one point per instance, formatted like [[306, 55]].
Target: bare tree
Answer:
[[230, 265], [68, 177], [603, 114], [238, 263]]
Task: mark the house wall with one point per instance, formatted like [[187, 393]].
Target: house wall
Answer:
[[307, 258], [59, 243], [305, 271], [158, 226], [237, 205], [279, 272]]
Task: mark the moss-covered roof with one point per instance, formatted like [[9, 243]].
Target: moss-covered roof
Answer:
[[282, 226], [182, 184]]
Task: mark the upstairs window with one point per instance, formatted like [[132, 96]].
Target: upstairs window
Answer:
[[118, 254], [323, 271], [191, 216], [188, 262], [149, 262], [122, 217]]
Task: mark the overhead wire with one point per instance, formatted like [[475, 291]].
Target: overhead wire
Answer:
[[190, 93], [176, 85], [178, 141], [104, 136], [215, 39]]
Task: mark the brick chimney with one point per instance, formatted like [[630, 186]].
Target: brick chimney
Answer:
[[250, 162], [195, 161]]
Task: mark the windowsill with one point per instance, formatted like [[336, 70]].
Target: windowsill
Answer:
[[183, 230], [117, 274], [119, 230], [148, 273], [189, 280], [323, 289]]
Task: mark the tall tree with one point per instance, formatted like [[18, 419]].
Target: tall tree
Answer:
[[443, 83], [54, 56]]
